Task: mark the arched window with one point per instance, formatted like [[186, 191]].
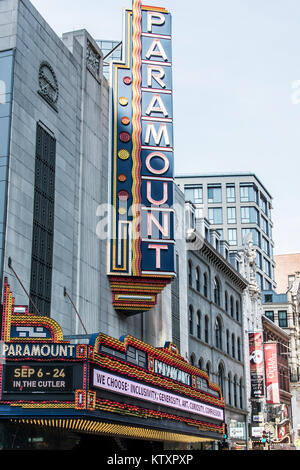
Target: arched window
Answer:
[[206, 324], [237, 310], [226, 301], [233, 344], [198, 279], [208, 368], [231, 306], [205, 292], [221, 377], [192, 359], [190, 273], [227, 342], [200, 363], [235, 391], [191, 319], [217, 291], [218, 333], [239, 349], [199, 324], [241, 393], [229, 389]]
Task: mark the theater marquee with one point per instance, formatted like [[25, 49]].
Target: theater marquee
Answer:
[[141, 251], [111, 386]]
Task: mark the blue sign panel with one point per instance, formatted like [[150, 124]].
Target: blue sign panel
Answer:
[[142, 220]]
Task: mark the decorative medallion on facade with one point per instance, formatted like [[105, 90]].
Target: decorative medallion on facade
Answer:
[[141, 250], [93, 59], [48, 85]]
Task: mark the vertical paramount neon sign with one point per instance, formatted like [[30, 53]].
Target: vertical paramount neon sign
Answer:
[[141, 248]]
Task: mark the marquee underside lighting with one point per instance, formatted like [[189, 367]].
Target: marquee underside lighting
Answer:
[[108, 429]]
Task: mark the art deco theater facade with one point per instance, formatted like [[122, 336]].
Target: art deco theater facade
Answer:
[[88, 243]]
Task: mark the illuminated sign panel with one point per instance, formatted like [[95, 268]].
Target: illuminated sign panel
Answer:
[[130, 388], [141, 251], [38, 378], [123, 381]]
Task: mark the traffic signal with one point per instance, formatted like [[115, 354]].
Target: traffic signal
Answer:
[[264, 438], [225, 436]]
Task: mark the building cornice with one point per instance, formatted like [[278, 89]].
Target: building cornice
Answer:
[[212, 255], [273, 327]]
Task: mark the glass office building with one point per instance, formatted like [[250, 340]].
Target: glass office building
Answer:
[[236, 204], [112, 50]]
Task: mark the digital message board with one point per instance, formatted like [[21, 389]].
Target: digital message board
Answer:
[[36, 378]]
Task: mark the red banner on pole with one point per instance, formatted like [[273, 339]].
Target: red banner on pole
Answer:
[[272, 377], [256, 365]]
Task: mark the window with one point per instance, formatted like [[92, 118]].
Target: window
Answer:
[[263, 205], [119, 354], [232, 236], [206, 332], [282, 318], [200, 363], [220, 232], [190, 274], [208, 369], [217, 292], [231, 306], [241, 393], [268, 298], [230, 193], [218, 333], [249, 215], [205, 285], [231, 215], [265, 246], [191, 319], [267, 284], [248, 193], [265, 225], [259, 259], [221, 377], [192, 359], [226, 301], [255, 235], [199, 324], [267, 267], [259, 280], [136, 356], [270, 314], [43, 221], [214, 193], [233, 345], [175, 305], [194, 194], [227, 342], [229, 389], [237, 310], [215, 215], [198, 279], [239, 349], [235, 391]]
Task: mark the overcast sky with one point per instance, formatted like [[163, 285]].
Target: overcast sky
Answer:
[[236, 73]]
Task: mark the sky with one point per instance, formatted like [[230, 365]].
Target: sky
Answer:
[[236, 88]]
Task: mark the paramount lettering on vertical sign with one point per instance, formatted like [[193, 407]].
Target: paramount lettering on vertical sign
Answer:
[[141, 249]]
